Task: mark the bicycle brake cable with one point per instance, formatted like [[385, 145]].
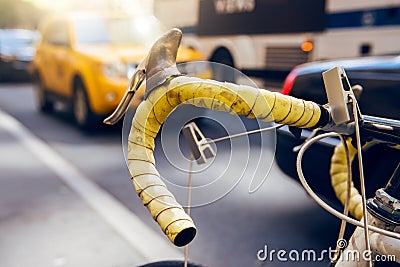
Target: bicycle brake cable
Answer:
[[213, 141], [347, 200], [189, 197], [322, 203], [361, 172]]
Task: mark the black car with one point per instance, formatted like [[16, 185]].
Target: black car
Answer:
[[16, 52], [380, 79]]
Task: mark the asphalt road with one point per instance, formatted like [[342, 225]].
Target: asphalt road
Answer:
[[231, 230]]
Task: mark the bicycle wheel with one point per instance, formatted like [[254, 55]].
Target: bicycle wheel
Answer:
[[170, 264]]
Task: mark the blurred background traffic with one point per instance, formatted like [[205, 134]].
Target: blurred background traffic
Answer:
[[64, 66]]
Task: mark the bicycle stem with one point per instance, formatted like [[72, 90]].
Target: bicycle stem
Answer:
[[386, 204], [381, 129]]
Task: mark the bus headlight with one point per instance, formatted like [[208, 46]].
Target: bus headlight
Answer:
[[307, 46]]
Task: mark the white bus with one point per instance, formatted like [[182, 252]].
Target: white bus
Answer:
[[261, 37]]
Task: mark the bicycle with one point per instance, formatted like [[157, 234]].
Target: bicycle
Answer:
[[377, 220]]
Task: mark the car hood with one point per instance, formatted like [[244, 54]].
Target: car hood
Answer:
[[131, 53], [357, 64], [21, 52]]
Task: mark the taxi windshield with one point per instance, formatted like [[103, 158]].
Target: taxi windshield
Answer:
[[117, 31]]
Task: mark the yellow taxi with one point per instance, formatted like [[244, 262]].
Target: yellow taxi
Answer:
[[85, 60]]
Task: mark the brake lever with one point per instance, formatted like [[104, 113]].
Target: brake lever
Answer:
[[155, 69], [341, 99], [134, 84]]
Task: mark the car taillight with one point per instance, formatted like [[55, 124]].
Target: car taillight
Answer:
[[289, 81]]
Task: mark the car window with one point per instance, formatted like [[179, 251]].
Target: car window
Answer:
[[117, 31], [58, 34]]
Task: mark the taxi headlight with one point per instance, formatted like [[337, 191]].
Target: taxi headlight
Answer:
[[194, 67]]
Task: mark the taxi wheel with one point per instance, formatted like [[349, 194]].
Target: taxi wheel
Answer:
[[83, 114], [43, 103]]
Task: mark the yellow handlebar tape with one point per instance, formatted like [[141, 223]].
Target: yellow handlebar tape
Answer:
[[338, 172], [227, 97]]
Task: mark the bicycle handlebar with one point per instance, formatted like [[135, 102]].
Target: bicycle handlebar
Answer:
[[227, 97], [167, 89]]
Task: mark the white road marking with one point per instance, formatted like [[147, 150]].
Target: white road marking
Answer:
[[142, 238]]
